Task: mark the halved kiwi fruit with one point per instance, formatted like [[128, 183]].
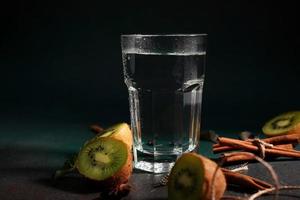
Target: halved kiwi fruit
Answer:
[[286, 123], [106, 159], [191, 179], [102, 158]]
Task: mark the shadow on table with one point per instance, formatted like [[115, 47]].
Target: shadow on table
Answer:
[[74, 184], [36, 165], [80, 185]]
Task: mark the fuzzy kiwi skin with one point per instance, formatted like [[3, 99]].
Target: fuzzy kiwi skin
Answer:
[[208, 167], [294, 129], [220, 181]]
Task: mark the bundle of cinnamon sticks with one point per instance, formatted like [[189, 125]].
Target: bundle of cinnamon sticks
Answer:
[[277, 146]]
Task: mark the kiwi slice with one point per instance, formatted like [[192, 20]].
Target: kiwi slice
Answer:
[[186, 179], [102, 158], [191, 178], [286, 123]]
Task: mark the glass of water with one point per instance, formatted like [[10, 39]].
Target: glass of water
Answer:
[[164, 75]]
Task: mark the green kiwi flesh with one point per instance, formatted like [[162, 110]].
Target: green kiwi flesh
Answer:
[[282, 123], [101, 158], [186, 179]]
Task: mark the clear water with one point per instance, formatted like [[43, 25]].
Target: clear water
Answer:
[[165, 93]]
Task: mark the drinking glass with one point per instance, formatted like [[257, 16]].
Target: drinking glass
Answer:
[[165, 76]]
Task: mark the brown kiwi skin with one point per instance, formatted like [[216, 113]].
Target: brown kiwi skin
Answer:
[[219, 180], [294, 130]]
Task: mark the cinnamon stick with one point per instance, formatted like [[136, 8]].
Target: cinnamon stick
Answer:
[[240, 156], [225, 148], [283, 139], [236, 158], [248, 146], [276, 140], [285, 146], [96, 128], [245, 181]]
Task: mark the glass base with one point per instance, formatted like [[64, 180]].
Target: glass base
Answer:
[[156, 168], [155, 163]]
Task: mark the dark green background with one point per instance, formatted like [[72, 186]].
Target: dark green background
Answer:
[[61, 60]]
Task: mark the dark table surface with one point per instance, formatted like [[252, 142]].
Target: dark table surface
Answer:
[[32, 151]]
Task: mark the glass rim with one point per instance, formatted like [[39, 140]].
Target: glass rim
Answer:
[[165, 35]]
